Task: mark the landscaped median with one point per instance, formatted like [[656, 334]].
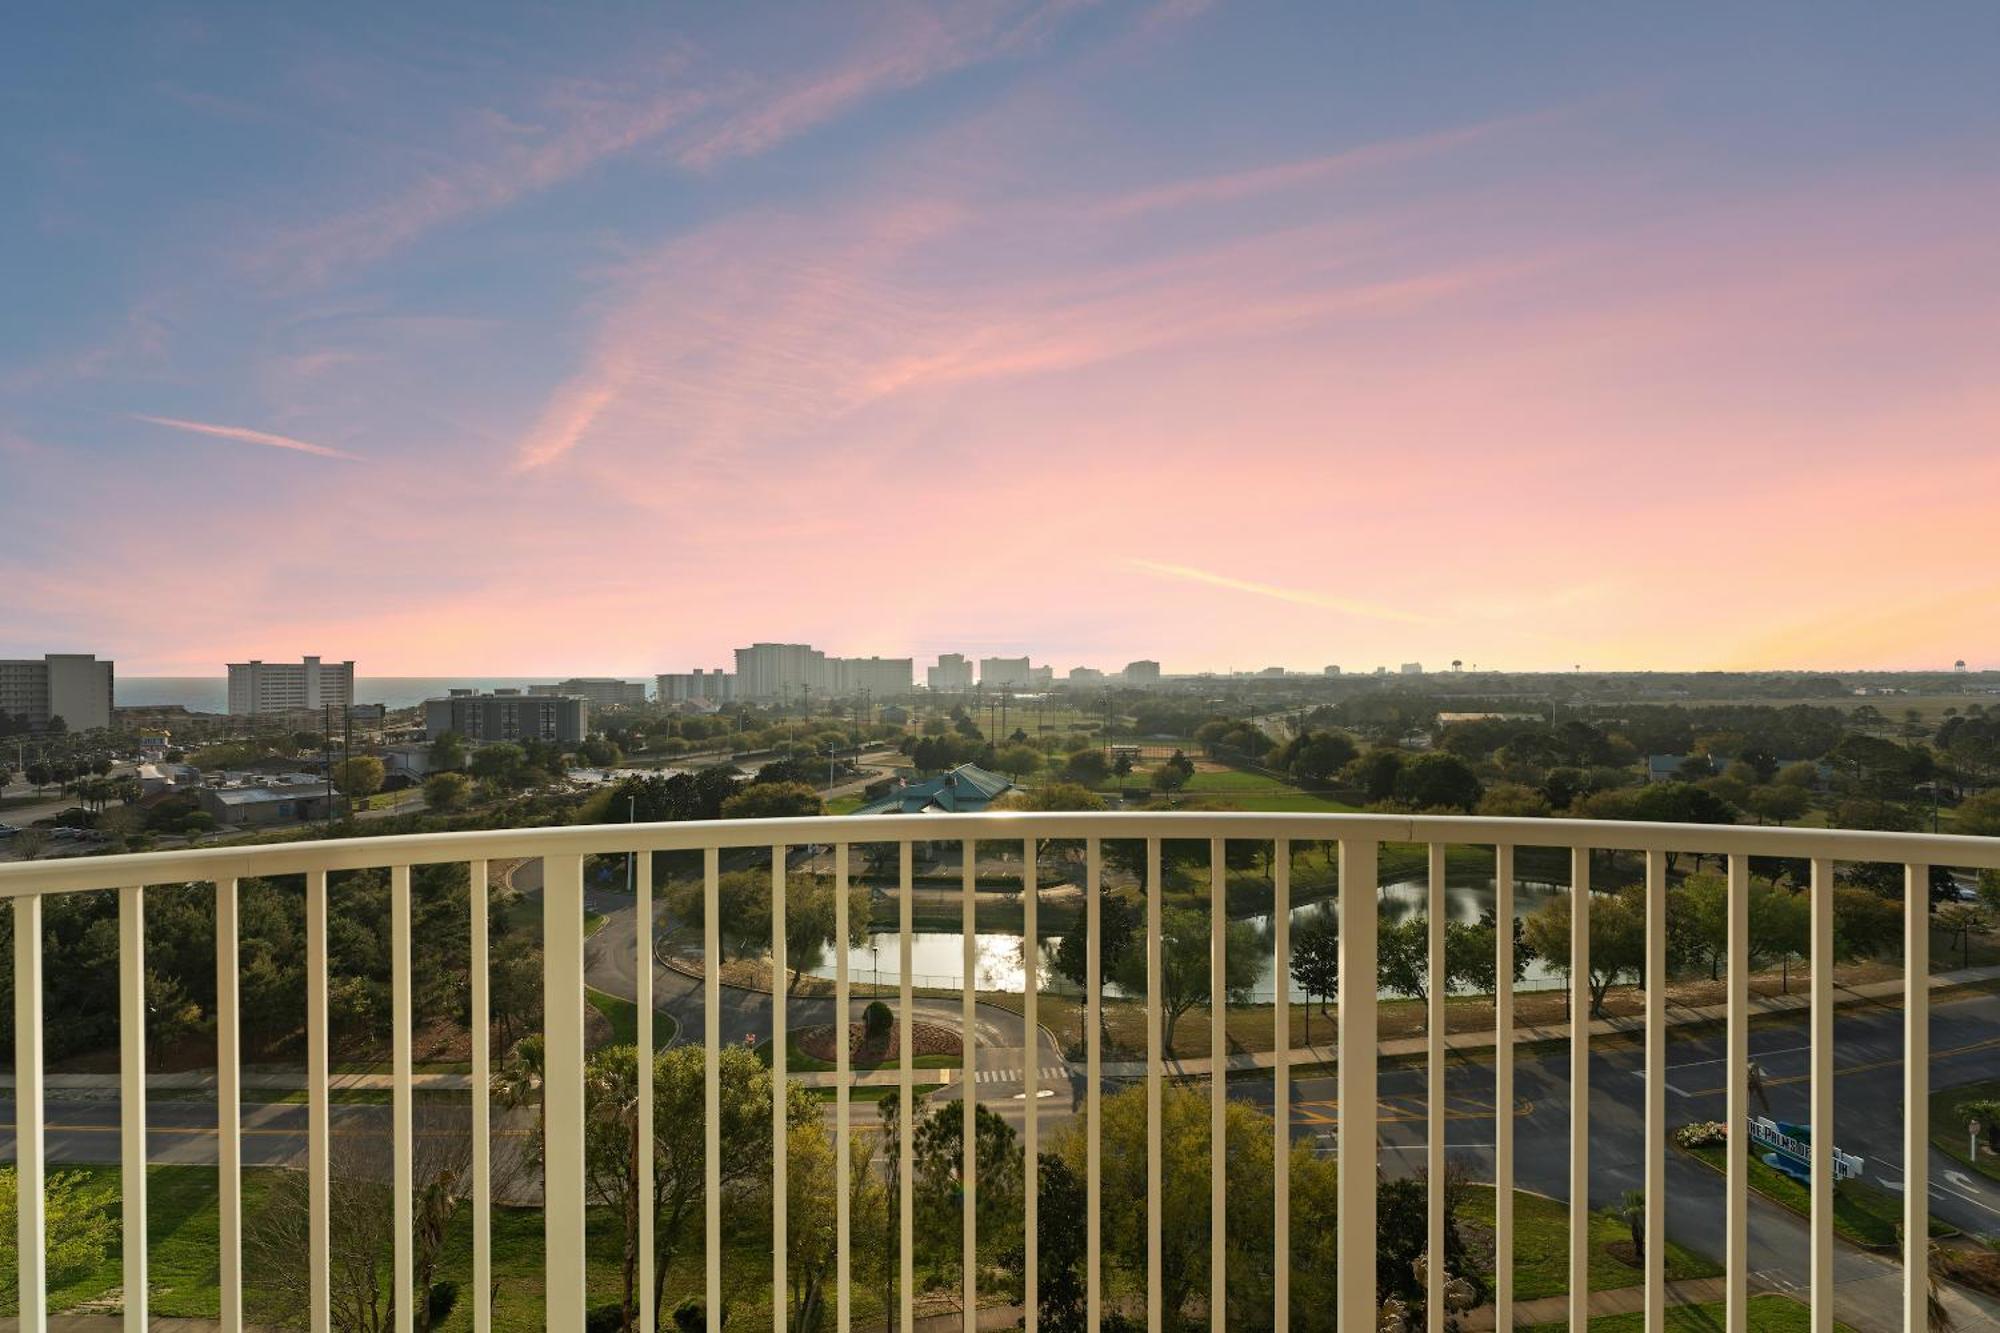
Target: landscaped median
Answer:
[[1863, 1214]]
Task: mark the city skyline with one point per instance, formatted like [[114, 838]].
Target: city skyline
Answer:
[[1300, 334]]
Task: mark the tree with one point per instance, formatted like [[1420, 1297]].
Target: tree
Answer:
[[1316, 961], [1017, 761], [1088, 768], [1314, 757], [1513, 800], [447, 752], [773, 800], [1778, 802], [1185, 977], [1061, 1240], [1184, 1201], [1121, 923], [503, 764], [359, 776], [679, 1171], [1170, 777], [29, 843], [81, 1224], [1375, 773], [1617, 937], [1438, 781], [1979, 815], [447, 791]]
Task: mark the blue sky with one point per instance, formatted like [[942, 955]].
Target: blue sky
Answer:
[[1224, 334]]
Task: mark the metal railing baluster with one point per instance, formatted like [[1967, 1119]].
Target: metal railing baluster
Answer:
[[228, 1112], [642, 930], [1093, 1009], [711, 1000], [1656, 1092], [31, 1209], [405, 1294], [1434, 980], [1155, 1081], [563, 1186], [132, 1100], [1736, 1183], [1820, 1153], [780, 1138], [1916, 1097], [969, 1106], [1218, 1083], [1579, 1088], [907, 1097], [319, 1112], [1503, 1086], [1281, 1084], [843, 1148], [1031, 1054], [478, 887], [1355, 1287]]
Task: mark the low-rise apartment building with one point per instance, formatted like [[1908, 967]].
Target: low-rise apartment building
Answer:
[[508, 715]]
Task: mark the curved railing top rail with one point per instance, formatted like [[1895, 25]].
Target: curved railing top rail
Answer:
[[71, 874]]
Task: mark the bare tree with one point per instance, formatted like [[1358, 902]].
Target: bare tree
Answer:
[[361, 1219]]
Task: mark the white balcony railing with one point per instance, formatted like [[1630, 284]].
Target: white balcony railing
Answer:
[[562, 852]]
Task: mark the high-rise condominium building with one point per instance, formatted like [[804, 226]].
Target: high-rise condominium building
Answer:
[[696, 686], [779, 671], [1005, 672], [75, 687], [952, 672], [1142, 672], [881, 677], [289, 687], [508, 715], [1082, 675], [795, 671], [601, 691]]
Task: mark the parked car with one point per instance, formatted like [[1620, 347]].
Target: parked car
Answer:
[[7, 831]]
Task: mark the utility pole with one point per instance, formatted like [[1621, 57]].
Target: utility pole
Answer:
[[326, 755]]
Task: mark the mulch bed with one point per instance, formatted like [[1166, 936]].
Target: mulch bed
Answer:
[[930, 1039]]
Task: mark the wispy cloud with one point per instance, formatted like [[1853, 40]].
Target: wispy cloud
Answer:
[[1297, 596], [1256, 181], [244, 435]]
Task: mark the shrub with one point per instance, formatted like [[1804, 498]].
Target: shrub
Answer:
[[876, 1020], [1702, 1134]]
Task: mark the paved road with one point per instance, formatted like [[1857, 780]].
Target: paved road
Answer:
[[1868, 1121]]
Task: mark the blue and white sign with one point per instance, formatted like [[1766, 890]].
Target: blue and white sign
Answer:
[[1792, 1146]]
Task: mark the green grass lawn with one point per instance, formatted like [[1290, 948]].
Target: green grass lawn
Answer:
[[182, 1234], [1766, 1314], [845, 805], [1948, 1131], [623, 1015], [1862, 1213], [1541, 1247]]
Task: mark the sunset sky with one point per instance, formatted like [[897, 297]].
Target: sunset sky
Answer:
[[494, 339]]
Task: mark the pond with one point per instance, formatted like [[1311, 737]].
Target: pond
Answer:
[[937, 958]]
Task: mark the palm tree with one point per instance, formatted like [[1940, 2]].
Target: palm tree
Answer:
[[1937, 1315], [519, 1082], [1632, 1212]]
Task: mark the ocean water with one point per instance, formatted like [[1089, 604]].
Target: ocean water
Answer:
[[210, 694]]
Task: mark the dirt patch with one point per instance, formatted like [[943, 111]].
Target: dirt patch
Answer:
[[1625, 1252], [927, 1039]]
